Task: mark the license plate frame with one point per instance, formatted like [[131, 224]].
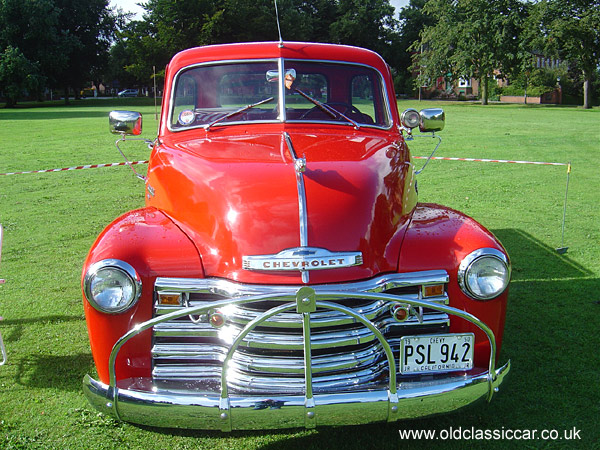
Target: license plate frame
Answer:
[[436, 353]]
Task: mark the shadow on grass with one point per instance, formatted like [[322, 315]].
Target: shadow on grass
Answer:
[[17, 325], [46, 371], [55, 372], [533, 260]]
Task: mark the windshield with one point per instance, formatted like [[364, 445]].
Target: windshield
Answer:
[[213, 95]]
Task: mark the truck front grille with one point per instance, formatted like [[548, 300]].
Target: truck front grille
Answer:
[[189, 352]]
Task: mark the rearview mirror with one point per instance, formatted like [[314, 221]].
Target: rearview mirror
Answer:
[[125, 122], [432, 120], [290, 76]]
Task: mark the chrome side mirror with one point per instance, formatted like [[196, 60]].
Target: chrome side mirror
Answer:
[[432, 120], [125, 122]]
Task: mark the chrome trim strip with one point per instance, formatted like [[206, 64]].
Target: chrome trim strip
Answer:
[[206, 378], [300, 167], [281, 100], [332, 339], [164, 408], [212, 356], [232, 289], [281, 67], [305, 305], [239, 316]]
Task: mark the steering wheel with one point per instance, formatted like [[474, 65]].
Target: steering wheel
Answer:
[[342, 107]]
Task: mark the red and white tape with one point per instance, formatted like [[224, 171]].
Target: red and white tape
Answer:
[[440, 158], [89, 166], [539, 163]]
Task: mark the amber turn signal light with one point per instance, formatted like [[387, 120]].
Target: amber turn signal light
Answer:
[[433, 291], [169, 299]]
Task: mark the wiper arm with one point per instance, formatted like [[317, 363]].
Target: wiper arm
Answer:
[[238, 111], [328, 109]]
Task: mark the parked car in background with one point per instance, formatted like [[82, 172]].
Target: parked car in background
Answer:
[[128, 93], [282, 272]]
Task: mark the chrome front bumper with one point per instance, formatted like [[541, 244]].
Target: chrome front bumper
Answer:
[[140, 401], [198, 411]]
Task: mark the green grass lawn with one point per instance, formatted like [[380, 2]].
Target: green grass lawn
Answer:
[[553, 320]]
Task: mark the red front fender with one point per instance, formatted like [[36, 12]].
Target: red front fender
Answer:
[[151, 243], [440, 238]]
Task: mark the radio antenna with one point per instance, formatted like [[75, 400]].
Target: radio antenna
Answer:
[[278, 26]]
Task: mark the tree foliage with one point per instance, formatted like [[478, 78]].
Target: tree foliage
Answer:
[[66, 42], [470, 39], [17, 74], [169, 26], [570, 29]]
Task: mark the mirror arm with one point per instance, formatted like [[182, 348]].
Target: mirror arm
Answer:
[[150, 143], [433, 135]]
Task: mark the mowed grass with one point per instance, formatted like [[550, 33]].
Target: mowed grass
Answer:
[[552, 324]]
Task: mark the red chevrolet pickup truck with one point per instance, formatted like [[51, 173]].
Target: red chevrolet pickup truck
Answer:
[[283, 272]]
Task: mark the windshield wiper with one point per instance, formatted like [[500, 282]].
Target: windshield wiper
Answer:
[[328, 109], [238, 111]]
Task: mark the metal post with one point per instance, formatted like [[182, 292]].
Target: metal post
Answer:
[[155, 107], [562, 249]]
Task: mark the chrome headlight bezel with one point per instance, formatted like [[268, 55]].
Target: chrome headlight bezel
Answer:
[[473, 261], [410, 118], [127, 275]]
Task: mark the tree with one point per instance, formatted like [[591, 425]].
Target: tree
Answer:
[[369, 24], [66, 40], [571, 30], [412, 21], [470, 38], [17, 75], [86, 30], [31, 26]]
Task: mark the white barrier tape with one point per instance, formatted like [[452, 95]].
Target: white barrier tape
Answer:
[[89, 166], [441, 158]]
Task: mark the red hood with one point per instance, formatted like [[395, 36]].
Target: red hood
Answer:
[[236, 195]]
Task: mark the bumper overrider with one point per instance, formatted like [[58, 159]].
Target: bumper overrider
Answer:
[[141, 402]]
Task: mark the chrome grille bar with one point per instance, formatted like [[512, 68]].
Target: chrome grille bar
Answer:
[[272, 354]]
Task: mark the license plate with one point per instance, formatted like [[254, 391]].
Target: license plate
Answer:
[[436, 353]]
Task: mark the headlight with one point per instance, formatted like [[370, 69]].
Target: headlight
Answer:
[[112, 286], [410, 118], [484, 273]]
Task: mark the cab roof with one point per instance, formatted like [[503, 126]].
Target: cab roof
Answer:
[[270, 50]]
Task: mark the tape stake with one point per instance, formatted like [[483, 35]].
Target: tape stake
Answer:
[[562, 249]]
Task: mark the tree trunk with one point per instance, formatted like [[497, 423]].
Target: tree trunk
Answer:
[[66, 95], [587, 104], [484, 90]]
